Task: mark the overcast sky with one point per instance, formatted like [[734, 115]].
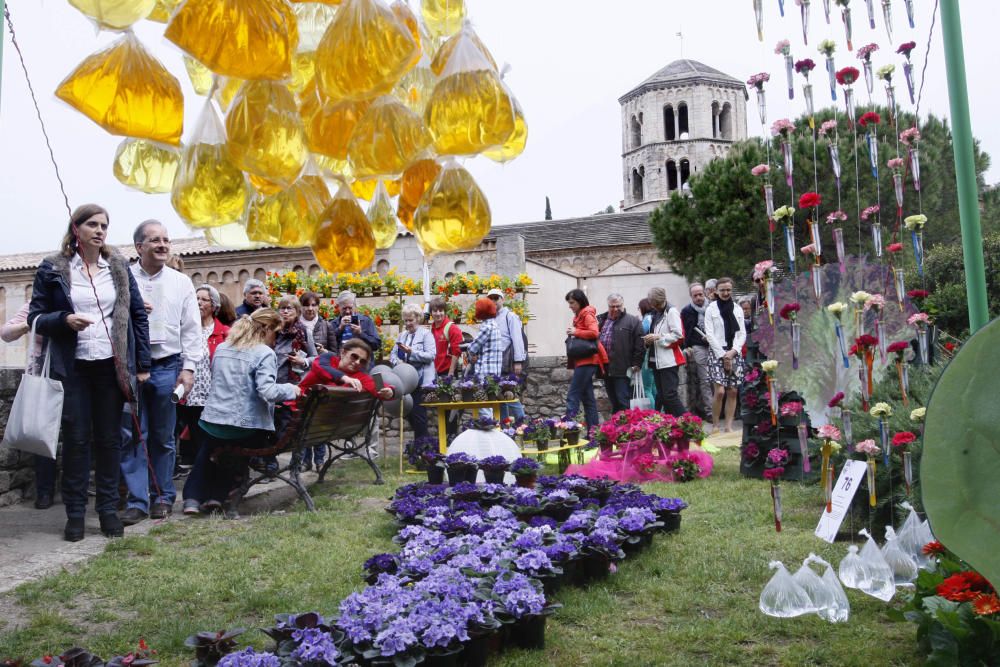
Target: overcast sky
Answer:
[[571, 62]]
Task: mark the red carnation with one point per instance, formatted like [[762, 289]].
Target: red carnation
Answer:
[[866, 340], [963, 587], [918, 294], [810, 200], [847, 76], [903, 438], [906, 47], [788, 311], [835, 401], [855, 350], [898, 346], [895, 247], [869, 117], [932, 548]]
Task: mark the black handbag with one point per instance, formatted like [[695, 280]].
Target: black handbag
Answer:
[[580, 348]]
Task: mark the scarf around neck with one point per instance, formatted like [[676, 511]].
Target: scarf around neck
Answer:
[[726, 309]]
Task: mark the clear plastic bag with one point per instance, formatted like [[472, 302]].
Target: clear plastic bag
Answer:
[[851, 570], [442, 17], [146, 165], [382, 217], [924, 537], [125, 90], [881, 581], [782, 597], [453, 214], [909, 538], [814, 586], [247, 39], [290, 217], [265, 131], [115, 14], [344, 242], [313, 19], [840, 610], [387, 139], [902, 564]]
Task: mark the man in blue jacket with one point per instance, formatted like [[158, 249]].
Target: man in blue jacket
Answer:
[[352, 324]]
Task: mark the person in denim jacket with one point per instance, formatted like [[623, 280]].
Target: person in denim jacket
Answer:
[[239, 411]]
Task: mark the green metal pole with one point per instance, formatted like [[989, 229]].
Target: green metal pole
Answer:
[[965, 168]]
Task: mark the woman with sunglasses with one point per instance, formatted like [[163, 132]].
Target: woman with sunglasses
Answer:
[[347, 370]]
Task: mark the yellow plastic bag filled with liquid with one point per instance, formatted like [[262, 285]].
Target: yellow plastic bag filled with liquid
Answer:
[[290, 217], [226, 91], [329, 125], [441, 56], [454, 214], [409, 19], [232, 236], [313, 19], [364, 188], [383, 218], [200, 76], [163, 10], [416, 86], [470, 109], [332, 3], [515, 144], [247, 39], [210, 190], [147, 166], [115, 14], [303, 72], [416, 180], [344, 242], [128, 92], [443, 17], [387, 139], [266, 136], [365, 52]]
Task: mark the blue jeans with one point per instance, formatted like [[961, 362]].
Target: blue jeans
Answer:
[[619, 392], [581, 388], [152, 481], [514, 409], [45, 476]]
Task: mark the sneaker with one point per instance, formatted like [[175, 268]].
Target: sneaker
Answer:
[[111, 525], [211, 506], [132, 516], [192, 507], [161, 511]]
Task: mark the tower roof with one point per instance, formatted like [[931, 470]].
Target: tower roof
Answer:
[[683, 71]]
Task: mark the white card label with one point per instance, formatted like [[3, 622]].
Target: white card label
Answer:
[[852, 475]]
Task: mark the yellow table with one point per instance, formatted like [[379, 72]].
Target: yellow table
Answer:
[[443, 408], [562, 452]]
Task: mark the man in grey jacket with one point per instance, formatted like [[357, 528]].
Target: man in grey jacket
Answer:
[[621, 335]]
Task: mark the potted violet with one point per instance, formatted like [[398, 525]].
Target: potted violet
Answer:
[[525, 470], [493, 468], [461, 467], [571, 430], [468, 388]]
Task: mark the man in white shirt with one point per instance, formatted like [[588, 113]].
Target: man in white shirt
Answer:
[[175, 339], [512, 343]]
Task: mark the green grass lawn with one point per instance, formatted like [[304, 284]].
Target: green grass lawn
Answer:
[[691, 599]]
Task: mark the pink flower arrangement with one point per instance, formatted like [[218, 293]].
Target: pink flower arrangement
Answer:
[[783, 127], [868, 447], [789, 311], [895, 163], [836, 216], [870, 211], [836, 400], [808, 249], [773, 474], [894, 247], [758, 80], [804, 66], [918, 318], [905, 48], [791, 408], [777, 456], [876, 301], [827, 127], [829, 432], [761, 170], [762, 269], [866, 51], [908, 136], [783, 48]]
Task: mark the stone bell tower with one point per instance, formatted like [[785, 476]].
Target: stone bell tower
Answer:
[[673, 124]]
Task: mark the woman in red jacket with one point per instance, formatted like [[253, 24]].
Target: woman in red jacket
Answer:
[[581, 387]]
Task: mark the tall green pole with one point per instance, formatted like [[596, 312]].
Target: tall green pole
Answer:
[[965, 167]]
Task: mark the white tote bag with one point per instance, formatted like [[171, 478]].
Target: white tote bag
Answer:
[[639, 398], [33, 425]]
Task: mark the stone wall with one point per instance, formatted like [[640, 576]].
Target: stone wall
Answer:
[[17, 476]]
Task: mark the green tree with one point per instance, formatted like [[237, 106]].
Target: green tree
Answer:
[[721, 228], [945, 280], [548, 209]]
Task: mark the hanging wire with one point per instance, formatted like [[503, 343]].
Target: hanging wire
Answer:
[[38, 111]]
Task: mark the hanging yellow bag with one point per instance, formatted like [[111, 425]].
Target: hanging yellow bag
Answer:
[[146, 165], [454, 214], [247, 39], [364, 188], [162, 11], [470, 109], [365, 52], [416, 179], [387, 139], [200, 76], [416, 86], [232, 236], [515, 144], [406, 16], [128, 92], [115, 14], [329, 125], [442, 17], [313, 19], [344, 242], [290, 217], [265, 132], [210, 190], [382, 218], [444, 52]]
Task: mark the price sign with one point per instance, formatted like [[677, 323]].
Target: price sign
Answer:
[[851, 477]]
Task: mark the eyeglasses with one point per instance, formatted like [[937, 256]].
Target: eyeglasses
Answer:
[[157, 241], [357, 357]]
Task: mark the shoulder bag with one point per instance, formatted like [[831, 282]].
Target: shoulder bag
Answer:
[[35, 415]]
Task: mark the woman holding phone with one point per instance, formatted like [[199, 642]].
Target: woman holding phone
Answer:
[[416, 347]]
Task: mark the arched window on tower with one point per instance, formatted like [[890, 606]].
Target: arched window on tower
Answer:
[[682, 120], [726, 122], [636, 132], [669, 123], [671, 175], [715, 120], [637, 177], [685, 171]]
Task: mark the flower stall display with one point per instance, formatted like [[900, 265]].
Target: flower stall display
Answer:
[[423, 454], [493, 468], [461, 468], [525, 471]]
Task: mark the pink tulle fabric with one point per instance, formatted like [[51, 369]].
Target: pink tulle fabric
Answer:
[[619, 464]]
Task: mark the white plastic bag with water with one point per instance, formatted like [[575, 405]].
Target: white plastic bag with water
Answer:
[[841, 608], [881, 581], [782, 597], [814, 586], [902, 564], [851, 570], [908, 536]]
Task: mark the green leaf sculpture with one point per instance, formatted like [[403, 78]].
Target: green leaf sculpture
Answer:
[[960, 467]]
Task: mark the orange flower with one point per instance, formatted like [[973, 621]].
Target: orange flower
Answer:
[[985, 605]]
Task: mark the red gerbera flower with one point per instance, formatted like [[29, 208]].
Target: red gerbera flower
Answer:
[[810, 199], [903, 438], [894, 247], [866, 340], [869, 117], [963, 587], [847, 76], [985, 605], [898, 346], [933, 548], [918, 294]]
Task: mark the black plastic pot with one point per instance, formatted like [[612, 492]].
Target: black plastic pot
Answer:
[[459, 474], [529, 632], [526, 481], [493, 475], [595, 566], [671, 521], [476, 651], [435, 475]]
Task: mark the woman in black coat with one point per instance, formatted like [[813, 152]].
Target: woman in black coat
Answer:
[[86, 302]]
